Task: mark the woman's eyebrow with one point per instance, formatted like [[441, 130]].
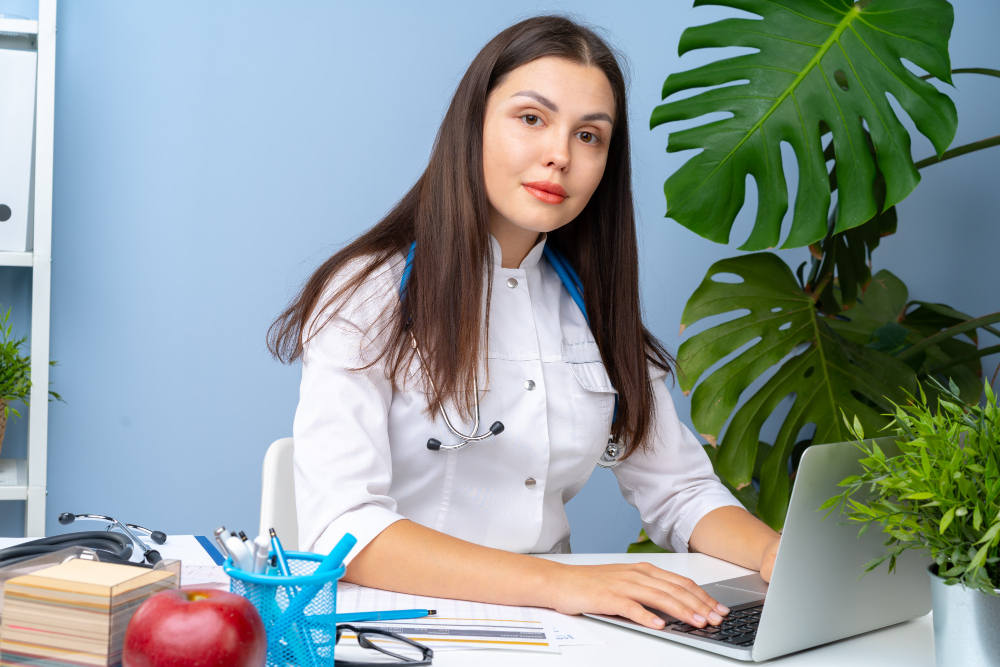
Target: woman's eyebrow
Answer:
[[551, 105], [539, 97], [598, 116]]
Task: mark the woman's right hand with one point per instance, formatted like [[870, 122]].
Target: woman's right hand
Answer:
[[622, 590]]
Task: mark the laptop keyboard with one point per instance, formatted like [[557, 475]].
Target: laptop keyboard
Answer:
[[739, 628]]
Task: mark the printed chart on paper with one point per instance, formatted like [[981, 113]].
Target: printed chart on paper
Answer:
[[458, 624]]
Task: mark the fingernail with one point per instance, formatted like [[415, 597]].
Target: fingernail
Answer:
[[659, 622], [723, 609], [698, 618], [715, 618]]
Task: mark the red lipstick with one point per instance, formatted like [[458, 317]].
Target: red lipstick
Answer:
[[546, 191]]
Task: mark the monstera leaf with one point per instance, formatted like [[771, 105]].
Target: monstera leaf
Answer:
[[831, 63], [887, 321], [826, 374]]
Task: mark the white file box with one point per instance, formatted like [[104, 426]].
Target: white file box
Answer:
[[17, 136]]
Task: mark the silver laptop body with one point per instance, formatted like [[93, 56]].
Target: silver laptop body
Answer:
[[815, 595]]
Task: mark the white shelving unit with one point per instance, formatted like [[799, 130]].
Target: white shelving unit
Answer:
[[25, 479]]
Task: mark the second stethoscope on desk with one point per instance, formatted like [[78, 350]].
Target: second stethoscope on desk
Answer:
[[571, 281]]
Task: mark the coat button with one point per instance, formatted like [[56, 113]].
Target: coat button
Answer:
[[512, 283], [530, 482], [529, 384]]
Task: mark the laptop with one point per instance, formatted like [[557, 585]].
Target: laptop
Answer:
[[815, 595]]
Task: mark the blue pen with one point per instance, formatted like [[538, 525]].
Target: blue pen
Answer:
[[279, 553], [371, 616]]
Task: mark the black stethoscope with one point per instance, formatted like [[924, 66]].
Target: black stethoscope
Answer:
[[571, 281], [109, 546]]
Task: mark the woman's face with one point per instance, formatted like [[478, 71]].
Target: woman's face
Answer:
[[545, 144]]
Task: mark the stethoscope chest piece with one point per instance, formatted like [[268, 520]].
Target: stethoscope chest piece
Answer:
[[611, 456]]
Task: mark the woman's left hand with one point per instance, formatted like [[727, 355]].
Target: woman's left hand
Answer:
[[767, 559]]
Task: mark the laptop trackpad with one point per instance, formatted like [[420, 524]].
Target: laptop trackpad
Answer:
[[739, 590], [731, 597]]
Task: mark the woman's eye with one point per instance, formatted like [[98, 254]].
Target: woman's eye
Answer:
[[588, 138], [531, 119]]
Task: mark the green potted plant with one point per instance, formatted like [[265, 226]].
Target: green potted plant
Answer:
[[941, 495], [833, 334], [15, 373]]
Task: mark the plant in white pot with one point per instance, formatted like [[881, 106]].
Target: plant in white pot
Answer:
[[941, 495], [15, 373]]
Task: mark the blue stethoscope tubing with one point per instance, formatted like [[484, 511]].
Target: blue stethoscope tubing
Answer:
[[571, 281]]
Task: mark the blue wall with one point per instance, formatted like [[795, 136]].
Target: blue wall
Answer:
[[210, 155]]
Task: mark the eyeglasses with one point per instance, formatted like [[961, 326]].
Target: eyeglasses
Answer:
[[404, 650]]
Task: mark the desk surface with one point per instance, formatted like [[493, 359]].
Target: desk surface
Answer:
[[908, 644]]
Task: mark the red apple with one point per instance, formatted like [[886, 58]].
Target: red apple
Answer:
[[189, 627]]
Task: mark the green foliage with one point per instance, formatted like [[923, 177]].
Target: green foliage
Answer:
[[834, 337], [941, 494], [15, 368], [826, 64], [825, 372]]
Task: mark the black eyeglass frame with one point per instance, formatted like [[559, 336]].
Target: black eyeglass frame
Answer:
[[361, 632]]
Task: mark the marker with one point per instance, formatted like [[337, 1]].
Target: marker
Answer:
[[220, 534], [239, 553], [260, 558], [335, 558], [279, 553], [372, 616], [251, 547]]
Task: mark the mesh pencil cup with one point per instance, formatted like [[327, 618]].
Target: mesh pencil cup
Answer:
[[299, 612]]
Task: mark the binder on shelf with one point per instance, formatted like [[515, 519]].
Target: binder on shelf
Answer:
[[18, 66]]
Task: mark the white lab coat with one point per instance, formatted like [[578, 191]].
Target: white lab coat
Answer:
[[361, 460]]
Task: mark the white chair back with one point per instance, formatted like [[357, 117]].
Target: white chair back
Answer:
[[277, 498]]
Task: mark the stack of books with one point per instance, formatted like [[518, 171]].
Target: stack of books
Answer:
[[74, 613]]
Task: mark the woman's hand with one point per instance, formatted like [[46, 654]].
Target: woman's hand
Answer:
[[767, 559], [622, 590]]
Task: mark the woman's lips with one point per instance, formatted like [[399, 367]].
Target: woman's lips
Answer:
[[550, 193]]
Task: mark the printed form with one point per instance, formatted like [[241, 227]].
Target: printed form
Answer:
[[458, 624]]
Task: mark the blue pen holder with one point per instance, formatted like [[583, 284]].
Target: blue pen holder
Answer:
[[299, 612]]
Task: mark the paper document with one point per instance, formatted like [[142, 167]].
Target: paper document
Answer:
[[458, 624], [204, 576], [571, 630]]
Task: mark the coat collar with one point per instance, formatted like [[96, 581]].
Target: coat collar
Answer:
[[529, 262]]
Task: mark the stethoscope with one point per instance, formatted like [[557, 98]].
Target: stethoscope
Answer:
[[107, 546], [151, 556], [571, 281]]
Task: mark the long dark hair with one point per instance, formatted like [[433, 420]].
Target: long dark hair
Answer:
[[446, 213]]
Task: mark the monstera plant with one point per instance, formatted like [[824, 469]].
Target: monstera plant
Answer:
[[830, 338]]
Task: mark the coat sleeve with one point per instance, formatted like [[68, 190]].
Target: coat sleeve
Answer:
[[342, 461], [673, 486]]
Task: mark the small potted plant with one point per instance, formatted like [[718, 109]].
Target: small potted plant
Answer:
[[15, 373], [941, 495]]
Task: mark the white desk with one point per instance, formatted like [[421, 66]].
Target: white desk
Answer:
[[905, 645]]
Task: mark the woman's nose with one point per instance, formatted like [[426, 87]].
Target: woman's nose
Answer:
[[557, 154]]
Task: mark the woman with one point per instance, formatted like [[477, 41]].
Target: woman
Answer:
[[533, 153]]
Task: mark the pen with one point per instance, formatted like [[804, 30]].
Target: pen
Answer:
[[251, 548], [372, 616], [279, 553], [260, 558]]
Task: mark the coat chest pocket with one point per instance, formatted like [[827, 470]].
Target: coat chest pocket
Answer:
[[585, 361]]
